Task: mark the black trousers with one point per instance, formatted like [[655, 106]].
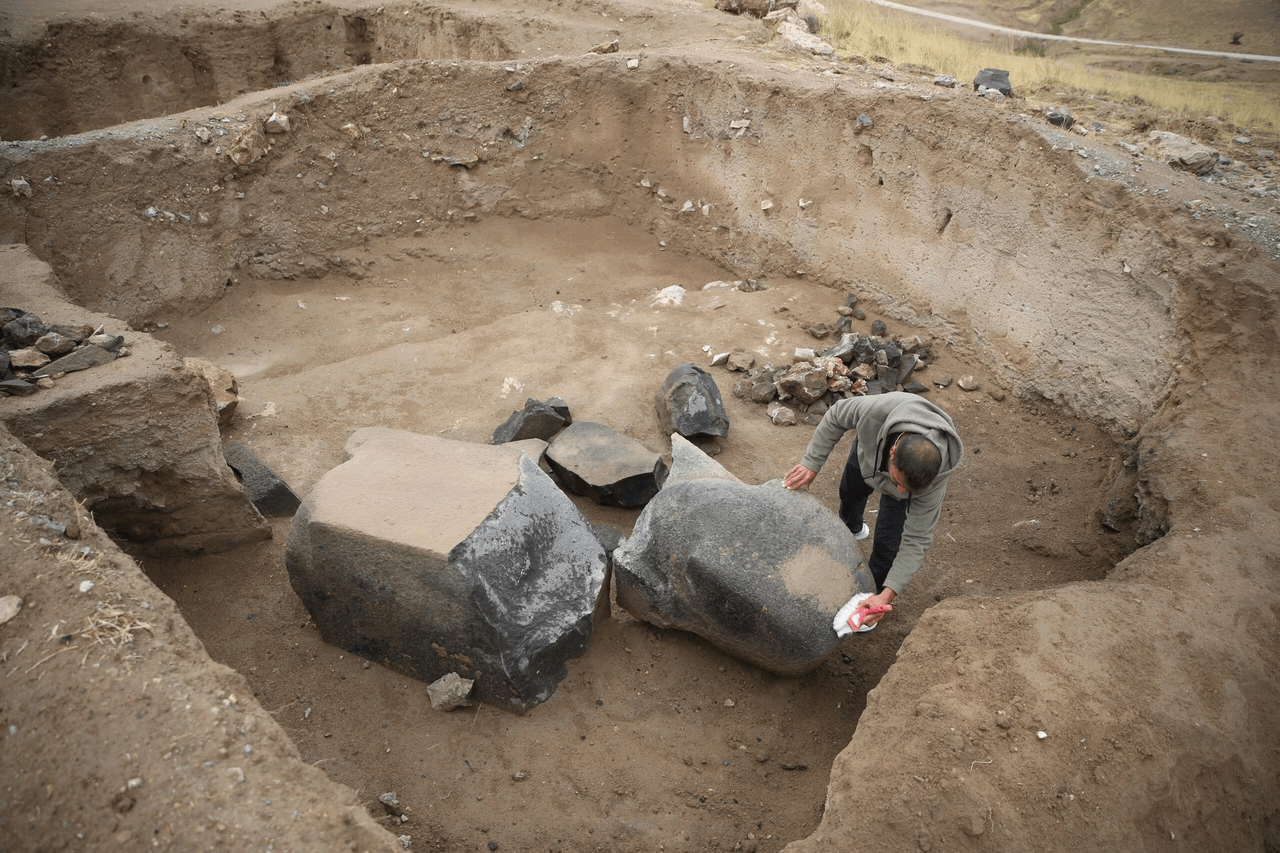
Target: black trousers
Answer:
[[854, 492]]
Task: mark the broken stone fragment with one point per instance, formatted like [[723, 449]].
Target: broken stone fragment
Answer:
[[82, 359], [27, 359], [969, 383], [803, 382], [781, 415], [24, 330], [536, 420], [605, 47], [449, 691], [21, 187], [17, 388], [593, 460], [993, 78], [203, 134], [269, 493], [817, 330], [689, 403], [54, 344]]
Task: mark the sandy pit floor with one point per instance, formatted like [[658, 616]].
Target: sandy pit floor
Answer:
[[656, 738]]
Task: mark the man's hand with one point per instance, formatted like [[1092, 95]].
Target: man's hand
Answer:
[[799, 477], [875, 601]]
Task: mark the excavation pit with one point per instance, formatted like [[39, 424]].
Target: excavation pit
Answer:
[[430, 244]]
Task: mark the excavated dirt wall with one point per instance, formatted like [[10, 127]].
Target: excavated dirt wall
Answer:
[[937, 208]]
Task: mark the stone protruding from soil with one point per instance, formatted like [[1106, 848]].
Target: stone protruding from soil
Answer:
[[689, 403], [536, 420], [269, 493], [758, 571], [433, 556], [593, 460]]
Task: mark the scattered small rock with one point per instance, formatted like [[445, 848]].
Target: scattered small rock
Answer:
[[278, 123], [10, 606], [449, 691], [969, 383]]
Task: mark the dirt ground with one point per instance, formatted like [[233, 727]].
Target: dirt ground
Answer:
[[1019, 624]]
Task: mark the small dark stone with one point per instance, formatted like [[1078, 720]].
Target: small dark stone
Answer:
[[17, 388], [1061, 118], [851, 300], [993, 78], [818, 330], [859, 314], [915, 387], [536, 420], [877, 327], [844, 325], [24, 331], [888, 376], [493, 845]]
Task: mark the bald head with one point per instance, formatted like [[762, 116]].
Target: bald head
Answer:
[[918, 459]]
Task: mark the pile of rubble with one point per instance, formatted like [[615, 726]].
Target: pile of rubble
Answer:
[[33, 355], [856, 365]]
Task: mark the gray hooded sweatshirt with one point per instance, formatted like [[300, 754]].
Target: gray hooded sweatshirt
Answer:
[[874, 419]]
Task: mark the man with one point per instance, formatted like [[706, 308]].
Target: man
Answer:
[[906, 448]]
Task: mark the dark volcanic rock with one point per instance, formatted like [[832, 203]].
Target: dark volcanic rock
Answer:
[[591, 459], [536, 420], [495, 576], [993, 78], [269, 493], [759, 571], [689, 403], [24, 330]]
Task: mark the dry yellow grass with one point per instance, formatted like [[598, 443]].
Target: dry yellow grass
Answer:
[[1148, 101]]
